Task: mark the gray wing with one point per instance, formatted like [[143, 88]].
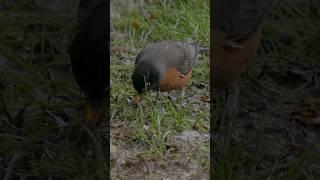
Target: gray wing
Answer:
[[239, 18], [190, 56], [168, 54]]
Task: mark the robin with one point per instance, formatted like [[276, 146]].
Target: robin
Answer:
[[89, 57], [165, 66], [237, 27]]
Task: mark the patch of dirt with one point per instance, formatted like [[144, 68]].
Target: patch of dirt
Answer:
[[186, 158]]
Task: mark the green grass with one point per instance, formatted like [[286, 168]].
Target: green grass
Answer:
[[41, 133], [153, 122]]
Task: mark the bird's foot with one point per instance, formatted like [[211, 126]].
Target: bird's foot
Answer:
[[183, 93]]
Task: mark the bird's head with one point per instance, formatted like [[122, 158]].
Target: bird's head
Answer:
[[144, 77]]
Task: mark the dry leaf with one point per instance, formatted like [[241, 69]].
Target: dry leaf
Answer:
[[309, 115], [205, 98], [137, 98], [116, 49]]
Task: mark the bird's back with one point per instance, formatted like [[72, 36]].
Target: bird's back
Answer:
[[240, 18], [169, 54]]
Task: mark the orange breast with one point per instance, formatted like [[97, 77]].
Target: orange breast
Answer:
[[173, 80], [230, 62]]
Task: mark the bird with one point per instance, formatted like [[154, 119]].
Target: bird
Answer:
[[237, 27], [90, 59], [166, 65]]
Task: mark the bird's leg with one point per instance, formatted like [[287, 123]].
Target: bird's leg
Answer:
[[158, 94], [182, 95], [227, 108], [227, 102], [183, 91], [231, 101], [161, 94]]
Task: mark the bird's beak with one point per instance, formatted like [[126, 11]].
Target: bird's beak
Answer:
[[94, 112]]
